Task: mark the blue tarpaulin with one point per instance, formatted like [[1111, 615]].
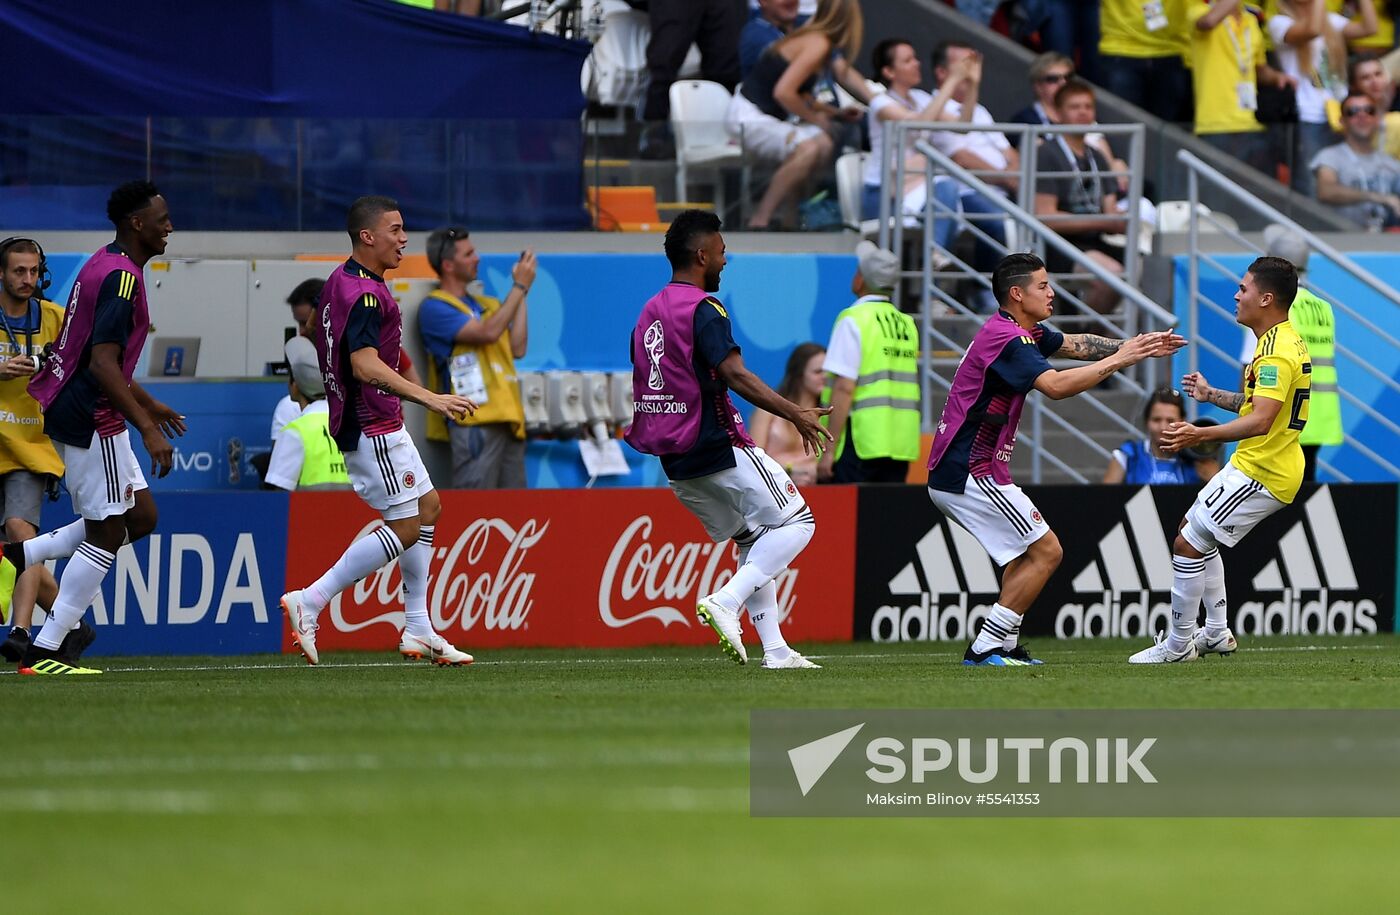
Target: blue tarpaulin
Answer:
[[274, 114]]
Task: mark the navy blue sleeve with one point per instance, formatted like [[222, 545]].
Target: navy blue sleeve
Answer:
[[112, 321], [1020, 364], [1050, 341], [714, 337], [362, 325]]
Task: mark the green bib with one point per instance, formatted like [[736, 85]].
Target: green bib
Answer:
[[885, 418], [322, 465], [1312, 318]]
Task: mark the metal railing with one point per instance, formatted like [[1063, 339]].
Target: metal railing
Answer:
[[1138, 312], [1199, 171]]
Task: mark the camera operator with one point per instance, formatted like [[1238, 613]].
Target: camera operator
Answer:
[[29, 465]]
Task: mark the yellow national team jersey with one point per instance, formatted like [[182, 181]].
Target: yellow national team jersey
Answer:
[[1281, 371]]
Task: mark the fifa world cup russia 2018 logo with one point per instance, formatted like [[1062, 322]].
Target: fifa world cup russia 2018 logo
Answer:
[[655, 342]]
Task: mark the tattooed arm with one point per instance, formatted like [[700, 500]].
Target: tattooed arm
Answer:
[[1195, 386], [1088, 347]]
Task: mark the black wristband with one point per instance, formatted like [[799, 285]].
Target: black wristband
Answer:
[[521, 286]]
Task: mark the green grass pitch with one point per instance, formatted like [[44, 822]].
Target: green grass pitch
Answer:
[[545, 781]]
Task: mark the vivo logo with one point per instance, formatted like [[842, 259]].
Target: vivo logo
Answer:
[[199, 461]]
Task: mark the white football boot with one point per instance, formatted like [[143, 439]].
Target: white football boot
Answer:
[[725, 623], [303, 624], [1222, 644], [793, 661], [435, 648], [1161, 654]]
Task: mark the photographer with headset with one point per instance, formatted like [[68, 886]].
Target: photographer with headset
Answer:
[[29, 465]]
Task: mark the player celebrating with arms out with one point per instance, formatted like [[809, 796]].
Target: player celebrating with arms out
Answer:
[[358, 330], [969, 463], [1260, 478], [684, 361]]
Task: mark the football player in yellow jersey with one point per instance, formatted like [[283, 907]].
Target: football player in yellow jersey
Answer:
[[1263, 475]]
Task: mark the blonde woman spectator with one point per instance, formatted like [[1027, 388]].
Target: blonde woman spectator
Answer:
[[803, 381], [1311, 47], [778, 118]]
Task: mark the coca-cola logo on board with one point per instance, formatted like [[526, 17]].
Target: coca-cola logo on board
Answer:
[[478, 582], [663, 581]]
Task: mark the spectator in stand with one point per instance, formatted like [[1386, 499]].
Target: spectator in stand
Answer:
[[896, 64], [1360, 181], [1050, 71], [1227, 68], [1142, 462], [1143, 49], [803, 382], [1072, 27], [771, 21], [1086, 195], [776, 116], [1369, 77], [1382, 40], [1311, 47], [713, 25]]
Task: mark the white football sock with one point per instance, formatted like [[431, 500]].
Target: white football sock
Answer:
[[763, 613], [1188, 584], [57, 544], [362, 557], [1217, 607], [1000, 629], [771, 553], [82, 579], [414, 566]]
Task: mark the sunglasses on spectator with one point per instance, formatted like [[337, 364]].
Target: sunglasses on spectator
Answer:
[[1054, 78], [1353, 110]]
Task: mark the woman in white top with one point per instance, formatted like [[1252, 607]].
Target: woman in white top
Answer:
[[897, 66], [1311, 47]]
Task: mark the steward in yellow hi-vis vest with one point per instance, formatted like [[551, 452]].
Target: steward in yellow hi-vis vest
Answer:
[[305, 455], [1312, 320], [473, 341], [873, 363]]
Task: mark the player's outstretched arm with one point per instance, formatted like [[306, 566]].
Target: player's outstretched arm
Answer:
[[1058, 385], [1093, 347], [369, 369], [734, 373], [171, 422], [1185, 435], [1195, 386]]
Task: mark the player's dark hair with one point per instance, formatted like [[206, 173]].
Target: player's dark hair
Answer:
[[1014, 270], [796, 367], [1166, 396], [883, 56], [307, 291], [939, 56], [365, 212], [1277, 276], [131, 197], [687, 233]]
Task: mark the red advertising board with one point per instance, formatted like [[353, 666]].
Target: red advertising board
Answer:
[[567, 568]]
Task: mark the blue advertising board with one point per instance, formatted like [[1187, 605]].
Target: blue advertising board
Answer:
[[207, 581]]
